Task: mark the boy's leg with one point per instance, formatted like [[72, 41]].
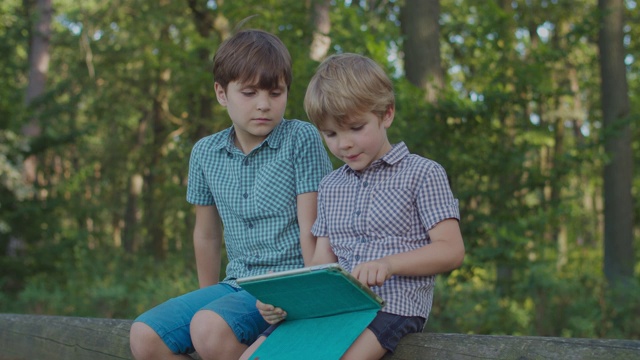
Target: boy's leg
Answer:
[[224, 328], [366, 347], [164, 330], [246, 355], [147, 344], [256, 344], [382, 335]]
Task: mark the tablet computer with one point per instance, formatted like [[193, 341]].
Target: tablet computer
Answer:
[[312, 292]]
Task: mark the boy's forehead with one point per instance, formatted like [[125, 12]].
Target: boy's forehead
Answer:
[[266, 83], [344, 122]]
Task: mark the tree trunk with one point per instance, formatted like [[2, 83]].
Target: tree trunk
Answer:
[[322, 27], [38, 67], [421, 30], [618, 204]]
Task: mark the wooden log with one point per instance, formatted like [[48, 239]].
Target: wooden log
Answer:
[[33, 337], [36, 337], [467, 347]]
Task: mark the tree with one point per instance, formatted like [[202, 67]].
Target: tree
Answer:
[[421, 31], [38, 66], [322, 27], [618, 172]]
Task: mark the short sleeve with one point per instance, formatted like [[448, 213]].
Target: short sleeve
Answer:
[[312, 161], [319, 227], [435, 200], [198, 191]]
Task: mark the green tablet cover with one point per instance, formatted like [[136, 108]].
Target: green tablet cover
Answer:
[[327, 310], [319, 292]]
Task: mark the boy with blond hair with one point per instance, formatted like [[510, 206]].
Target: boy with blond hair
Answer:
[[259, 179], [387, 216]]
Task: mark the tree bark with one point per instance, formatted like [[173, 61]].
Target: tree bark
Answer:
[[421, 30], [618, 173], [322, 26], [38, 66]]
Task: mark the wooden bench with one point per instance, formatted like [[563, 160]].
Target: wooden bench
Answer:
[[33, 337]]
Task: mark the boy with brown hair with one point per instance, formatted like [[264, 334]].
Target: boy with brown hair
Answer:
[[259, 179], [387, 216]]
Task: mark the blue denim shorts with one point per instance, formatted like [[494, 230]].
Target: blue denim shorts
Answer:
[[390, 328], [171, 320]]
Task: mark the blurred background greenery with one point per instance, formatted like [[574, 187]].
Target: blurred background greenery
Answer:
[[101, 102]]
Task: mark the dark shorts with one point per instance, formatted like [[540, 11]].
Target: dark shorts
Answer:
[[388, 328]]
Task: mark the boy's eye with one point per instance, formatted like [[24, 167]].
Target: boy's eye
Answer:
[[276, 93], [357, 128], [328, 134], [248, 92]]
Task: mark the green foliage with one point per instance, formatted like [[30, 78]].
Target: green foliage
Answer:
[[106, 230], [102, 285]]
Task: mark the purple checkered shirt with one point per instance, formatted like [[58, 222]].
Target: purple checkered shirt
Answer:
[[386, 209]]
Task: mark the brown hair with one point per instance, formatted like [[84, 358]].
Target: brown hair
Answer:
[[253, 56], [347, 85]]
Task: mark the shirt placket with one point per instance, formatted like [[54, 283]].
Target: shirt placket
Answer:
[[247, 172], [359, 219]]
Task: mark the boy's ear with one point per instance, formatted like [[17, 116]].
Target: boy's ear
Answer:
[[387, 119], [221, 94]]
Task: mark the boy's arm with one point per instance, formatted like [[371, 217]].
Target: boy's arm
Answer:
[[207, 241], [445, 253], [307, 211], [323, 253]]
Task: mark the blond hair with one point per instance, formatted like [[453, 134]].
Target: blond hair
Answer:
[[347, 85]]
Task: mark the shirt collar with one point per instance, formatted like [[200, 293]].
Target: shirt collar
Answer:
[[273, 140], [398, 152]]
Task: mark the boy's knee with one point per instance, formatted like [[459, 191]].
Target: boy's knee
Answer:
[[144, 341], [210, 334]]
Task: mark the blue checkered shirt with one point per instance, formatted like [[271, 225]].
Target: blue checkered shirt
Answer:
[[255, 194], [387, 208]]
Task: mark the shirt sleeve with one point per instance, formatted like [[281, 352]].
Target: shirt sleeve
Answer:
[[312, 161], [319, 227], [198, 191], [435, 199]]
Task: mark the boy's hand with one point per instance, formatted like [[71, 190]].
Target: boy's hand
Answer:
[[270, 313], [373, 273]]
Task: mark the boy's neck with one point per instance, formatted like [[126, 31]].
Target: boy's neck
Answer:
[[246, 144]]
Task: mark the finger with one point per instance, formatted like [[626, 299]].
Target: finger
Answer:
[[264, 307], [381, 278]]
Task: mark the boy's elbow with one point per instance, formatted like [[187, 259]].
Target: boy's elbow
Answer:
[[458, 258]]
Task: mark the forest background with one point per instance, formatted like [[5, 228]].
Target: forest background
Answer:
[[102, 101]]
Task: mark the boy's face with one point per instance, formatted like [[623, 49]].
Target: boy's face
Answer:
[[254, 112], [361, 141]]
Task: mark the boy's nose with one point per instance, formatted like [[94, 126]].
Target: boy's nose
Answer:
[[263, 103], [344, 142]]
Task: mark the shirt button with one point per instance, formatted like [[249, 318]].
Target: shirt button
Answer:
[[245, 195], [358, 212], [249, 267], [230, 155], [365, 184], [357, 257], [250, 225]]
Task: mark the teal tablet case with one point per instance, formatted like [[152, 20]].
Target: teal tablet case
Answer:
[[326, 309]]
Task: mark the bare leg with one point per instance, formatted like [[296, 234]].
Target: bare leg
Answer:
[[366, 347], [147, 345], [251, 349], [213, 338]]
